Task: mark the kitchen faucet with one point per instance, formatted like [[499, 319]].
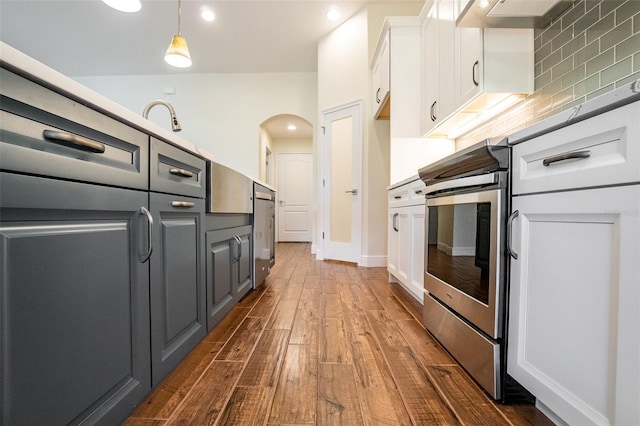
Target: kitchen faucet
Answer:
[[175, 125]]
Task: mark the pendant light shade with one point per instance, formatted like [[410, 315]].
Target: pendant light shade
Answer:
[[177, 54], [124, 5]]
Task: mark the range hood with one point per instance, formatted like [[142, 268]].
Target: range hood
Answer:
[[511, 13]]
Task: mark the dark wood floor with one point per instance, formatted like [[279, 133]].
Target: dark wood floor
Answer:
[[323, 343]]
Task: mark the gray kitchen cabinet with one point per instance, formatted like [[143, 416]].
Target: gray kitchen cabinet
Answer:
[[74, 297], [178, 319], [175, 171], [228, 258], [47, 134]]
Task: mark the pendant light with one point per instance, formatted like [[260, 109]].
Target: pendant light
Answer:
[[178, 53], [124, 5]]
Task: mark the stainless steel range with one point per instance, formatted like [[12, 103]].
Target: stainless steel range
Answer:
[[465, 263]]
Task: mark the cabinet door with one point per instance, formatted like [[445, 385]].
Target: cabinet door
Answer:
[[381, 78], [245, 261], [574, 303], [417, 218], [177, 282], [393, 239], [468, 64], [74, 298], [219, 252], [404, 245], [446, 61], [430, 70]]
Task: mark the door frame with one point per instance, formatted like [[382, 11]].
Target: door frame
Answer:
[[323, 171]]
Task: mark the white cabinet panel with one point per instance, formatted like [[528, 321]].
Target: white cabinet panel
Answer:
[[574, 299], [603, 150], [380, 71], [406, 233]]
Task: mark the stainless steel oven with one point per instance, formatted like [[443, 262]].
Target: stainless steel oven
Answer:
[[465, 264]]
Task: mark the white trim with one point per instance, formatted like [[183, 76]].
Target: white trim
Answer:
[[373, 261]]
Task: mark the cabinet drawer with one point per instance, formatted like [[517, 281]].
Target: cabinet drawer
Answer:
[[417, 191], [45, 133], [603, 150], [175, 171], [399, 196]]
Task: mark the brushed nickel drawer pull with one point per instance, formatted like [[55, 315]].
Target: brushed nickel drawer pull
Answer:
[[577, 155], [509, 233], [73, 141], [144, 257], [181, 172], [183, 204]]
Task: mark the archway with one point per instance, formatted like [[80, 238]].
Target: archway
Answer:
[[286, 162]]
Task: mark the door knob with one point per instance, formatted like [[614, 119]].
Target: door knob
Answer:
[[353, 191]]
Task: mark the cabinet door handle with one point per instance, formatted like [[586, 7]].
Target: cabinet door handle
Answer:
[[144, 257], [395, 222], [378, 93], [183, 204], [474, 73], [73, 141], [238, 255], [509, 233], [433, 111], [576, 155], [181, 172]]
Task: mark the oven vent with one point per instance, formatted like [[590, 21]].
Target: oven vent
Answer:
[[487, 156]]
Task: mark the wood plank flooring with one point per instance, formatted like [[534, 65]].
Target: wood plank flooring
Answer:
[[323, 343]]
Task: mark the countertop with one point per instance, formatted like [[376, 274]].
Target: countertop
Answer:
[[403, 182], [28, 67], [606, 102]]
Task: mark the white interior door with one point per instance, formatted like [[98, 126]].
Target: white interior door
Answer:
[[294, 196], [342, 183]]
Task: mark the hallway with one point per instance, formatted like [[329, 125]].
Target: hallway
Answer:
[[323, 343]]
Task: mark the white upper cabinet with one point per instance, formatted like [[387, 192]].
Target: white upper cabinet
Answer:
[[468, 73], [381, 84], [396, 75]]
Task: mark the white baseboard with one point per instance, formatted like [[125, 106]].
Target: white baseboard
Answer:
[[314, 248], [373, 261]]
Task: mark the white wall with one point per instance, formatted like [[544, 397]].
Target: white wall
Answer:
[[221, 113], [264, 144], [344, 58]]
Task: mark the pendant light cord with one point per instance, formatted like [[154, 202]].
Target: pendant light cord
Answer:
[[179, 14]]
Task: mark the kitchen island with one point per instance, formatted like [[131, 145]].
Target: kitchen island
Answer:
[[103, 227]]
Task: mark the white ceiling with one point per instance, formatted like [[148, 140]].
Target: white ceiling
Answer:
[[86, 37]]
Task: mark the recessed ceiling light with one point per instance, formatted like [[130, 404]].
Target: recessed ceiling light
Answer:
[[483, 4], [124, 5], [208, 15], [333, 14], [291, 127]]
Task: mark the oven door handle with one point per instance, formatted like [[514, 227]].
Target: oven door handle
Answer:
[[509, 234]]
